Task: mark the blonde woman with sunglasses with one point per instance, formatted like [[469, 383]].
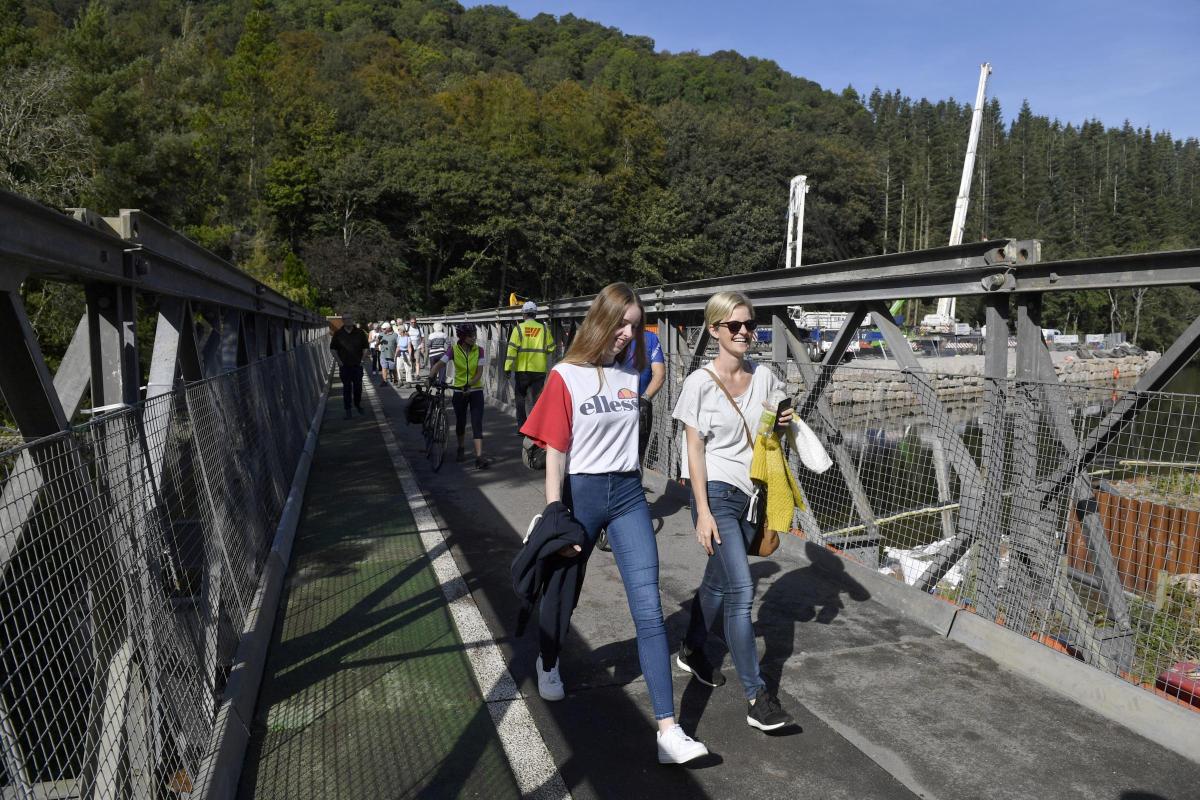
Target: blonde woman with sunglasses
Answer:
[[716, 404]]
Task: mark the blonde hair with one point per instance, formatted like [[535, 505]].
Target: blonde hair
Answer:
[[607, 313], [722, 304]]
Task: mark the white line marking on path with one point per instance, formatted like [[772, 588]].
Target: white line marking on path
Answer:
[[537, 775]]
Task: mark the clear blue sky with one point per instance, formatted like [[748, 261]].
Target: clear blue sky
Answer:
[[1107, 59]]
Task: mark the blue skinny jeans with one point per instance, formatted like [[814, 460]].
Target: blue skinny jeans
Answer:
[[617, 502], [727, 585]]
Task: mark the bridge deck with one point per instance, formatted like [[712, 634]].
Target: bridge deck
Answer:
[[367, 690], [367, 694]]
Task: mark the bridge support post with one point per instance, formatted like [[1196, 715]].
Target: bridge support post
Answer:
[[112, 335], [996, 399]]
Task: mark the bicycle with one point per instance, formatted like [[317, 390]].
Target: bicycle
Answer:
[[435, 428]]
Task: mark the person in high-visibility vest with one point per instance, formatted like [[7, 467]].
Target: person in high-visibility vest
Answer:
[[467, 360], [529, 347]]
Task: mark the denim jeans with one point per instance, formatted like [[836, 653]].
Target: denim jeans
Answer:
[[727, 584], [617, 502]]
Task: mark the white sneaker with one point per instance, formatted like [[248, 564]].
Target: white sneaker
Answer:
[[676, 747], [550, 685]]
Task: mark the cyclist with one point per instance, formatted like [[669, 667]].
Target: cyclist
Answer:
[[467, 359]]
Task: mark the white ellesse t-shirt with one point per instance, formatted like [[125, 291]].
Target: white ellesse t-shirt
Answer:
[[591, 414], [702, 405]]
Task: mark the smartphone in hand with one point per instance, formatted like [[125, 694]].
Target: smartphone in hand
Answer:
[[784, 405]]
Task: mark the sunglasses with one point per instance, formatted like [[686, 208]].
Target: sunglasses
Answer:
[[735, 326]]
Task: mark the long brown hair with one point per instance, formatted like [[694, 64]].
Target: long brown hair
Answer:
[[594, 337]]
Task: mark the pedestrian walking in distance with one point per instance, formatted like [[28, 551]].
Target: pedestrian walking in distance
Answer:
[[373, 343], [348, 344], [529, 346], [587, 419], [403, 354], [418, 347], [437, 343], [388, 342]]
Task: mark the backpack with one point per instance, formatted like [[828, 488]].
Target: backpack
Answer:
[[418, 404], [533, 456]]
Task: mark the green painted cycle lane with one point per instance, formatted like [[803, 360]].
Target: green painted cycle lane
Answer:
[[367, 691]]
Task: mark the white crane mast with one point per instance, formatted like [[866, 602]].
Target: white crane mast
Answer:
[[795, 220], [946, 305]]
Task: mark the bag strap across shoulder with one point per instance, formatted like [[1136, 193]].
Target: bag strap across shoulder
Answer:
[[732, 402]]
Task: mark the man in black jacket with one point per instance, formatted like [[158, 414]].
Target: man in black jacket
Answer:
[[540, 570], [349, 343]]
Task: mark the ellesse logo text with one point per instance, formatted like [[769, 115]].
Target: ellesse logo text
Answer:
[[606, 405]]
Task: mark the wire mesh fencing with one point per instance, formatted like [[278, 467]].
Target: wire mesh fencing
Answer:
[[1069, 513], [130, 550]]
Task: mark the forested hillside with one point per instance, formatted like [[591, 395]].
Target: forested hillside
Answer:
[[410, 155]]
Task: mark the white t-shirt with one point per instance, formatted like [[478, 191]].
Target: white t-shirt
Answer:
[[591, 414], [702, 405]]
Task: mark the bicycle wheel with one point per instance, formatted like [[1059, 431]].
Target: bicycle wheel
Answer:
[[440, 431], [427, 424]]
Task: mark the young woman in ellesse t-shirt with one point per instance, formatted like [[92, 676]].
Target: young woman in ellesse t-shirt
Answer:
[[587, 418]]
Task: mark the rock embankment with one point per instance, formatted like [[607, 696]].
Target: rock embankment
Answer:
[[960, 379]]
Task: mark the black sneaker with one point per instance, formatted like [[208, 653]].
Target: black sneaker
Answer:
[[695, 662], [602, 541], [460, 455], [765, 713], [360, 411], [482, 463]]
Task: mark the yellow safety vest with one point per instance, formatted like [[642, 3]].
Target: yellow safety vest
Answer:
[[528, 346], [465, 365]]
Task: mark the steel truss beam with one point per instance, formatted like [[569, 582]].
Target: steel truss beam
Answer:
[[1000, 267], [39, 241]]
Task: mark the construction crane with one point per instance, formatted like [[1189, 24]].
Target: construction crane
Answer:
[[943, 321], [795, 220]]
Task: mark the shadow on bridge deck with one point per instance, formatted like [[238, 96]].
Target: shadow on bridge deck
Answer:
[[886, 707], [367, 691]]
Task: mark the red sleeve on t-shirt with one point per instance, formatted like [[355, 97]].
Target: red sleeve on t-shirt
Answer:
[[549, 422]]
